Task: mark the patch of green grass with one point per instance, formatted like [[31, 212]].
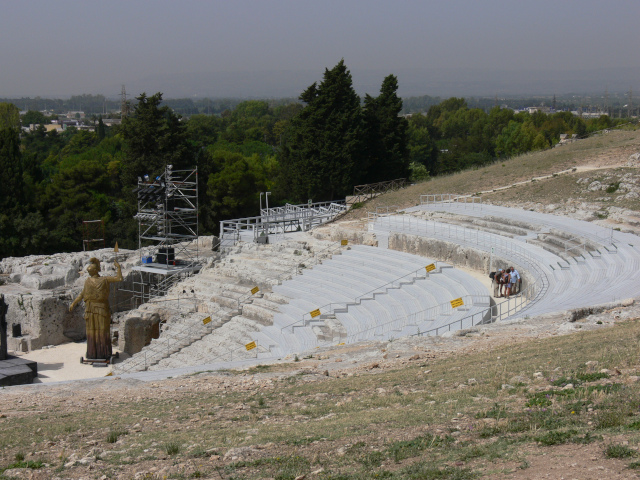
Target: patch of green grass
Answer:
[[591, 377], [426, 470], [554, 438], [282, 468], [302, 441], [540, 399], [619, 451], [411, 448], [610, 418], [497, 412], [31, 464], [372, 459]]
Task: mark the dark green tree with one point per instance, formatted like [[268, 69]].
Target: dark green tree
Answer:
[[10, 169], [385, 134], [9, 116], [233, 188], [422, 146], [322, 153], [154, 138], [101, 129], [33, 117]]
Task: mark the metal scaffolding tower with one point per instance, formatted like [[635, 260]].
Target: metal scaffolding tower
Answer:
[[168, 231]]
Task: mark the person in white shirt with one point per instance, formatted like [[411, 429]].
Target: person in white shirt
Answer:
[[516, 281]]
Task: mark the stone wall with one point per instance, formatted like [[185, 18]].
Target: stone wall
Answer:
[[136, 332], [351, 231], [449, 252], [39, 289], [44, 318]]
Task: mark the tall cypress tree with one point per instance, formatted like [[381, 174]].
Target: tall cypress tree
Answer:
[[386, 134], [321, 156], [154, 137]]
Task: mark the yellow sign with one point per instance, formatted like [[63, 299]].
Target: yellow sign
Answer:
[[255, 290], [315, 313], [431, 267], [206, 320], [344, 242], [250, 346], [457, 303]]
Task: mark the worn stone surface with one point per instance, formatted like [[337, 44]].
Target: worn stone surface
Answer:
[[136, 333], [39, 288]]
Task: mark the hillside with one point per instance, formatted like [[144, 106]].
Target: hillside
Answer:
[[600, 156], [555, 396]]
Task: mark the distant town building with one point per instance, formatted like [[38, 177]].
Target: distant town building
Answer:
[[533, 110], [75, 114]]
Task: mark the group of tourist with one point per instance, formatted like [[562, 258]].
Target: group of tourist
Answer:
[[506, 282]]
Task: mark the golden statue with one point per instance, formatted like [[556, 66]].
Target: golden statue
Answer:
[[97, 314]]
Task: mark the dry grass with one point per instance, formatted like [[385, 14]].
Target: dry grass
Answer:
[[599, 150], [390, 422]]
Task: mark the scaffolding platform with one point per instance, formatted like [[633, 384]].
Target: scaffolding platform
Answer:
[[161, 269], [167, 231]]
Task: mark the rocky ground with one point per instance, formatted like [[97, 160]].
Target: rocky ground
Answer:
[[142, 446]]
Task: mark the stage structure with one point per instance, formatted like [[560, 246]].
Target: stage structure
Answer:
[[277, 221], [168, 232]]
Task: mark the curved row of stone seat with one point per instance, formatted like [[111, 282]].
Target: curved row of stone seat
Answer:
[[358, 270], [611, 272], [552, 239]]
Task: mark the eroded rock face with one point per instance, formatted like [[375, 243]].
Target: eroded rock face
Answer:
[[137, 332]]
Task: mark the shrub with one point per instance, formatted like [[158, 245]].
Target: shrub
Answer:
[[613, 187], [172, 448], [115, 434]]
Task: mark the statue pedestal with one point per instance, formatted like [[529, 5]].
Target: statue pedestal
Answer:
[[3, 329], [17, 371]]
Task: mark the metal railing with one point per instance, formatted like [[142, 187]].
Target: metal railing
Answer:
[[305, 210], [275, 220], [362, 193], [605, 236], [492, 313], [162, 347], [330, 308], [451, 199], [487, 242], [581, 248]]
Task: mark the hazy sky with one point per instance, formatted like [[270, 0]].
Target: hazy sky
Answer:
[[276, 48]]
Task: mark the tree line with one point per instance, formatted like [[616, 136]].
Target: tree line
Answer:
[[317, 148]]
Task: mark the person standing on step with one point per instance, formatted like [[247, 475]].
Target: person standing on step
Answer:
[[495, 281], [506, 278], [515, 281]]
